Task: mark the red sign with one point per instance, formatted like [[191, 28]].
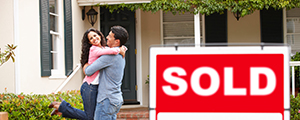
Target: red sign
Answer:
[[218, 83]]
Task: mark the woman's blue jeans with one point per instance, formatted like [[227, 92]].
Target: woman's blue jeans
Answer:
[[89, 97]]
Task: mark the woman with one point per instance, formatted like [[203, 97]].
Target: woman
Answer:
[[93, 43]]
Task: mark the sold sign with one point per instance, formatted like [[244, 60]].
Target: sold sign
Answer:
[[228, 83], [215, 81]]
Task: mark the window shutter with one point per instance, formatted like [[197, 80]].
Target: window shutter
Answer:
[[68, 37], [45, 41], [271, 26], [216, 28]]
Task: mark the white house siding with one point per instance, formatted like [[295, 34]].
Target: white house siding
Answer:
[[246, 30], [6, 37], [79, 27], [28, 30], [29, 48], [29, 54], [150, 35]]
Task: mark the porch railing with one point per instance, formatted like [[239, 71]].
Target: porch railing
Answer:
[[293, 64], [68, 79]]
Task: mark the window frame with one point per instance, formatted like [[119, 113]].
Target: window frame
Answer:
[[57, 70], [194, 23], [286, 33], [294, 33], [52, 36]]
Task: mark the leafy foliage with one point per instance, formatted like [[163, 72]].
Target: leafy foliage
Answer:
[[7, 54], [295, 107], [147, 80], [34, 106], [296, 57], [207, 7]]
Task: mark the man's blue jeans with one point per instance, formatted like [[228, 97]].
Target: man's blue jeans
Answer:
[[106, 111], [89, 95]]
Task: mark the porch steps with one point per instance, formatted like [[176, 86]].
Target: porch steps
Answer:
[[137, 113]]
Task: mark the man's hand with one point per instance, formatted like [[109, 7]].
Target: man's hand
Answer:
[[123, 51], [83, 69]]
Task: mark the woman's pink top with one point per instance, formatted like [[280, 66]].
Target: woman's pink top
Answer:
[[95, 53]]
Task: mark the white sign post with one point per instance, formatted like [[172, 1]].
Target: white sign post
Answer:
[[219, 83]]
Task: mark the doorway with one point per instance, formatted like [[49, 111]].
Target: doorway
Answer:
[[126, 19]]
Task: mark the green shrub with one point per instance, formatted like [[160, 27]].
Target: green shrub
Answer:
[[295, 107], [33, 106], [296, 57]]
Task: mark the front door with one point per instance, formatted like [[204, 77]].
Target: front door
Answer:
[[126, 19]]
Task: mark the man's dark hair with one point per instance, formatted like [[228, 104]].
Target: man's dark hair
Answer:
[[120, 33]]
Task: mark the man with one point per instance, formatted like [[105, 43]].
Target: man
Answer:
[[109, 98]]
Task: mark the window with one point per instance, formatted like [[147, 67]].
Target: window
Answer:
[[293, 29], [55, 35], [53, 29], [179, 28]]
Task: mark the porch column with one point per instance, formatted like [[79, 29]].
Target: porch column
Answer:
[[16, 42], [197, 30]]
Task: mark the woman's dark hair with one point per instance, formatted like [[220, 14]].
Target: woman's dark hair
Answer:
[[120, 33], [86, 45]]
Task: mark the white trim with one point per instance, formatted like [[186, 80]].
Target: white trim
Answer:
[[179, 22], [56, 74], [69, 78], [292, 33], [16, 40], [197, 30], [139, 76], [152, 114], [161, 27], [293, 64], [197, 22], [54, 33], [220, 116], [53, 51], [98, 18], [291, 17], [203, 29], [293, 80], [284, 26], [54, 14], [287, 115], [59, 71], [179, 37], [109, 2]]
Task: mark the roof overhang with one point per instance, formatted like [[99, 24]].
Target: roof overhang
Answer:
[[110, 2]]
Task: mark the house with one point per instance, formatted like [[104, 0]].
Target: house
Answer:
[[48, 34]]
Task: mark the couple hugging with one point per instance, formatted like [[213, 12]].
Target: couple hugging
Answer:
[[101, 89]]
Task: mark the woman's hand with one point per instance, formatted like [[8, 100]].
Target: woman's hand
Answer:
[[123, 51], [83, 69]]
